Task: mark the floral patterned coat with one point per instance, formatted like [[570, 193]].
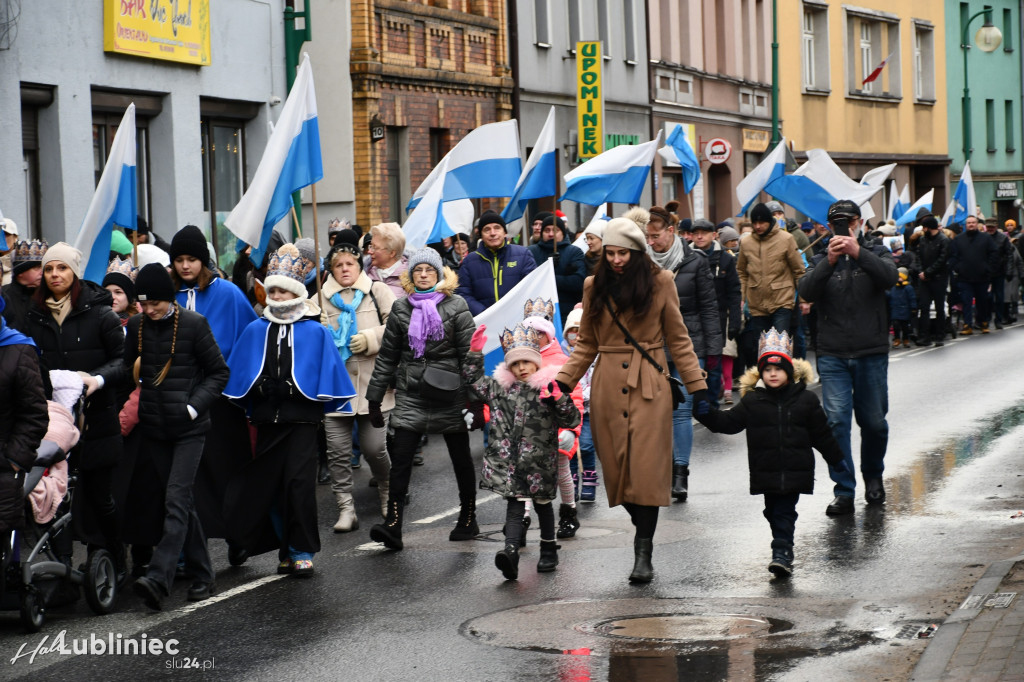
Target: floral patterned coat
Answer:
[[521, 458]]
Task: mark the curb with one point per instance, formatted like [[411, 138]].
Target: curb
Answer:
[[936, 656]]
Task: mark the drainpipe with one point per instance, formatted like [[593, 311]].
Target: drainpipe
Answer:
[[293, 40]]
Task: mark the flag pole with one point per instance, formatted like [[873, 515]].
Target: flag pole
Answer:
[[135, 248], [295, 220], [316, 251]]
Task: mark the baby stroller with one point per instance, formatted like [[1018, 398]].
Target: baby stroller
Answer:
[[36, 570]]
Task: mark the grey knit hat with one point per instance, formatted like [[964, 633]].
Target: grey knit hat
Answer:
[[727, 234], [307, 248], [428, 256]]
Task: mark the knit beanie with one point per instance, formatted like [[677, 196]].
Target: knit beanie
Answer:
[[542, 216], [930, 223], [154, 284], [287, 270], [151, 253], [190, 241], [429, 257], [556, 221], [775, 348], [28, 255], [727, 234], [574, 319], [121, 273], [760, 214], [119, 243], [307, 248], [67, 254], [627, 231], [346, 241], [490, 217]]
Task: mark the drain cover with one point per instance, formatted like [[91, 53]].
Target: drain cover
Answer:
[[684, 627], [996, 600]]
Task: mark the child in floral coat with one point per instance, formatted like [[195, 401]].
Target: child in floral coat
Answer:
[[521, 462]]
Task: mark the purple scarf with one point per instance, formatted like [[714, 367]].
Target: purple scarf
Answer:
[[425, 323]]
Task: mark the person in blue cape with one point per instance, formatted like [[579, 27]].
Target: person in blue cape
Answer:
[[287, 373], [225, 307]]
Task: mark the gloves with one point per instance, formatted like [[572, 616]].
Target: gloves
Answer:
[[376, 416], [467, 417], [474, 416], [732, 333], [702, 394], [358, 344], [565, 440], [701, 407], [479, 339], [550, 393], [563, 387]]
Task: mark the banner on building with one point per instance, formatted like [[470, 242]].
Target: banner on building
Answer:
[[173, 30], [589, 100]]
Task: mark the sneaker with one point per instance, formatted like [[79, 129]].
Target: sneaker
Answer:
[[302, 568], [781, 565], [966, 330], [728, 397], [984, 327]]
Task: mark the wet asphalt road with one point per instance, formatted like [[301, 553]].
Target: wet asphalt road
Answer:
[[441, 611]]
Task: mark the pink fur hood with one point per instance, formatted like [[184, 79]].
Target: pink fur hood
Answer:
[[543, 376]]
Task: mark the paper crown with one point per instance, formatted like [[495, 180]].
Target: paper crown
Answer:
[[522, 337], [288, 262], [539, 307], [774, 342], [29, 251], [123, 266]]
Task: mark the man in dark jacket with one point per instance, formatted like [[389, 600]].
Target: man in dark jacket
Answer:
[[569, 262], [722, 265], [999, 277], [974, 257], [27, 268], [932, 249], [847, 285], [494, 268]]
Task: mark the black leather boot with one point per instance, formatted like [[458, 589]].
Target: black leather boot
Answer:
[[548, 556], [680, 481], [568, 522], [390, 532], [466, 528], [643, 571], [507, 561]]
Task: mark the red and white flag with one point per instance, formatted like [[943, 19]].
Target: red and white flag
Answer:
[[878, 70]]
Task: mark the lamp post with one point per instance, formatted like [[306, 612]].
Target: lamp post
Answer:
[[988, 39]]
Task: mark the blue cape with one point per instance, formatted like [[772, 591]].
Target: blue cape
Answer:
[[317, 369], [227, 310]]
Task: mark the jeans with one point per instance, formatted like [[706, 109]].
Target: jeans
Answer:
[[682, 425], [588, 456], [979, 292], [856, 387], [780, 510], [781, 319], [998, 295], [714, 379]]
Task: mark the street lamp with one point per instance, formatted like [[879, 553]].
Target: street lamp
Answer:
[[988, 38]]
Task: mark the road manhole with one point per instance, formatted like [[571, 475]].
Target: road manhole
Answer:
[[685, 627]]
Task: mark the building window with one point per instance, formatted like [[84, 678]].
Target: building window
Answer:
[[629, 26], [671, 86], [440, 144], [223, 155], [990, 125], [541, 23], [397, 148], [753, 102], [866, 65], [1011, 124], [870, 38], [1008, 30], [604, 29], [104, 127], [573, 24], [815, 48], [924, 63]]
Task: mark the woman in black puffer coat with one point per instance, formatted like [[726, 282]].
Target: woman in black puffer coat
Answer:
[[74, 327], [417, 339], [698, 302]]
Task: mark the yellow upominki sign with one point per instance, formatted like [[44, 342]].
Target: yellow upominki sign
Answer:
[[174, 30], [589, 100]]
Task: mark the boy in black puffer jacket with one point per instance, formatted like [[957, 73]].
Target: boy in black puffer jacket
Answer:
[[783, 421]]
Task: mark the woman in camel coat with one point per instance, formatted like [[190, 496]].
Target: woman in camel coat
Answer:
[[630, 403]]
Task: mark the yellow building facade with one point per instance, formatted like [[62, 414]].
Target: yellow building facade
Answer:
[[827, 49]]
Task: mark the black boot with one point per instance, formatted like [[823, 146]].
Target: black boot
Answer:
[[548, 556], [507, 561], [568, 522], [643, 571], [323, 475], [390, 532], [680, 481], [466, 527]]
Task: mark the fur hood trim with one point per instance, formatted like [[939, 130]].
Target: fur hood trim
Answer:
[[751, 379], [446, 286], [543, 376]]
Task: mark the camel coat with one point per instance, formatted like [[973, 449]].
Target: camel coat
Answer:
[[769, 267], [630, 403], [369, 323]]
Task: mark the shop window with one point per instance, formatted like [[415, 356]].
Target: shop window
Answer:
[[223, 154]]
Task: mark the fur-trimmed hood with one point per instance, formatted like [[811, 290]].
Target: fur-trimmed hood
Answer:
[[802, 371], [540, 379], [446, 286]]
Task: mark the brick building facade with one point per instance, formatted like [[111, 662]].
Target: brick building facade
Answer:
[[427, 72]]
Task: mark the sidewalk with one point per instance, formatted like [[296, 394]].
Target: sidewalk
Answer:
[[984, 642]]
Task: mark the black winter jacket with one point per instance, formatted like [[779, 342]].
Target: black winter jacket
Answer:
[[727, 287], [570, 271], [197, 375], [23, 422], [933, 253], [850, 298], [782, 426], [18, 299], [698, 302], [974, 256], [90, 340]]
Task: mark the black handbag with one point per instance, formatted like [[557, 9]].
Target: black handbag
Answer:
[[678, 390], [441, 385]]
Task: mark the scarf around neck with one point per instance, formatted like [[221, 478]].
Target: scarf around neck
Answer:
[[60, 309], [671, 258], [425, 322], [347, 326], [285, 312]]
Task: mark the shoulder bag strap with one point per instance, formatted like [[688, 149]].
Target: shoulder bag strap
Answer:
[[633, 342], [380, 318]]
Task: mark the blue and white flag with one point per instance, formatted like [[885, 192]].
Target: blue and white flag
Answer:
[[508, 311], [290, 162], [771, 168], [894, 197], [485, 163], [678, 150], [617, 175], [947, 217], [902, 203], [433, 219], [539, 178], [910, 215], [964, 196], [876, 177], [818, 184], [115, 201]]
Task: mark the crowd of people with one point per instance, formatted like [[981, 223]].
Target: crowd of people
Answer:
[[215, 404]]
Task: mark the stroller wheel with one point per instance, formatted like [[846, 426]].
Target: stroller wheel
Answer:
[[100, 582], [33, 614]]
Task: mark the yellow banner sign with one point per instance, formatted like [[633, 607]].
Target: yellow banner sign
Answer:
[[589, 100], [175, 30], [756, 140]]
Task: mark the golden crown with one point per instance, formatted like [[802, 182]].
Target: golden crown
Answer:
[[539, 307], [123, 267], [520, 337], [29, 251], [288, 262], [774, 341]]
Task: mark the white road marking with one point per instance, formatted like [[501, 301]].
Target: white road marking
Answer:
[[234, 591], [374, 546]]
